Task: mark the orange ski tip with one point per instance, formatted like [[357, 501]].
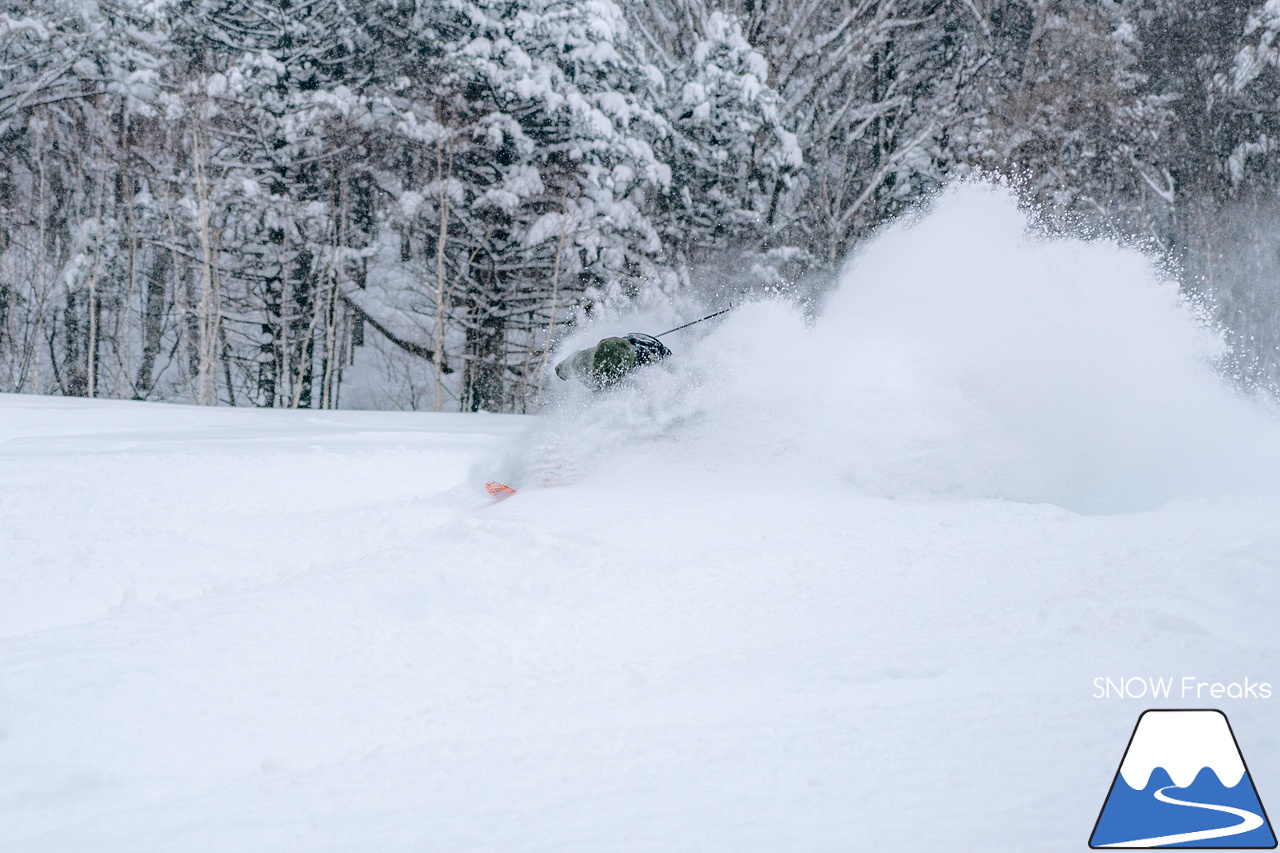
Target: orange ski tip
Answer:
[[499, 491]]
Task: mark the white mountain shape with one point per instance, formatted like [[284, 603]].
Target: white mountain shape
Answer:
[[1183, 743]]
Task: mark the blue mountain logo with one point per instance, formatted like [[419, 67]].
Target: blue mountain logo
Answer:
[[1183, 783]]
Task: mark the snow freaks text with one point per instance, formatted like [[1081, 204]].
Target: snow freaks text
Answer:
[[1184, 687]]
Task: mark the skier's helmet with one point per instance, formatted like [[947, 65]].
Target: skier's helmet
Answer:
[[648, 348]]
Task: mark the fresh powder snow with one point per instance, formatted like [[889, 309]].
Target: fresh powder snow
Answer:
[[836, 582]]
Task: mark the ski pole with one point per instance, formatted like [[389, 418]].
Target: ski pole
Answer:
[[695, 322]]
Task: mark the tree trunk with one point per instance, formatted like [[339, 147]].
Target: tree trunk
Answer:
[[301, 333], [153, 322], [486, 358]]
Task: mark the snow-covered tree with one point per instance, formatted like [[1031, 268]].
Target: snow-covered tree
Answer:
[[526, 159], [731, 155], [1076, 121], [866, 88], [77, 91], [269, 123], [1230, 211]]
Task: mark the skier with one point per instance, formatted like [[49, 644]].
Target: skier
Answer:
[[612, 359]]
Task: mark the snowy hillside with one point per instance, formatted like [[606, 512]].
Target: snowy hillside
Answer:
[[835, 587]]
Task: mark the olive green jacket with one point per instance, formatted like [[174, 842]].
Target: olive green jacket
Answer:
[[602, 365]]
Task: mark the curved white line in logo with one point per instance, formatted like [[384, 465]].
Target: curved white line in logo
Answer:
[[1249, 821]]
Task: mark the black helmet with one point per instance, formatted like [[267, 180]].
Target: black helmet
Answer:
[[649, 350]]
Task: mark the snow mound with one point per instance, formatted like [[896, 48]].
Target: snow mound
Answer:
[[959, 355]]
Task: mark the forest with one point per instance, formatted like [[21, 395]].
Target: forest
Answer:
[[409, 204]]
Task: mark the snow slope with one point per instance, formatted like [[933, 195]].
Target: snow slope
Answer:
[[807, 588]]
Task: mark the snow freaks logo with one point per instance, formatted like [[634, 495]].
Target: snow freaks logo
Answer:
[[1183, 783]]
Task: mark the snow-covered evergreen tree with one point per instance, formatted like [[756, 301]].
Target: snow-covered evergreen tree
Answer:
[[867, 89], [731, 155], [270, 121], [525, 162]]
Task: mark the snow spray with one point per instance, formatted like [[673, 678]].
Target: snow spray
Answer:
[[960, 354]]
